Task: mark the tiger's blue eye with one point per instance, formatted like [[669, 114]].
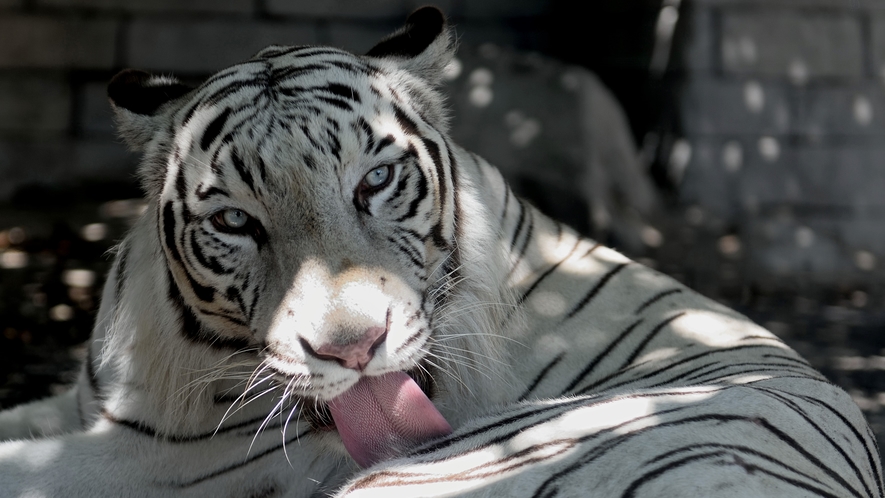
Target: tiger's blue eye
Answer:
[[233, 218], [377, 177]]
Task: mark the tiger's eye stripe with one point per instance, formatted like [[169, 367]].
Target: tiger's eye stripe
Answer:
[[204, 193], [208, 262], [408, 252], [191, 327], [383, 143], [596, 288], [230, 317], [420, 195]]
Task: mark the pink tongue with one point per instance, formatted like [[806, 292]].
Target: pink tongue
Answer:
[[380, 415]]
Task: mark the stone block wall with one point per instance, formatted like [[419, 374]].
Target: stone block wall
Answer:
[[778, 120], [56, 57]]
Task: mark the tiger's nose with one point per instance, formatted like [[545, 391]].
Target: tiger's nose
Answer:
[[355, 354]]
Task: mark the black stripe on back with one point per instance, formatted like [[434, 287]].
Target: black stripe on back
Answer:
[[595, 290], [657, 297]]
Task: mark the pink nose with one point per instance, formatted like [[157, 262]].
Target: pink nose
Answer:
[[355, 354]]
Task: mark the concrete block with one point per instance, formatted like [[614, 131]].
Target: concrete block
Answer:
[[713, 106], [848, 176], [864, 233], [767, 177], [32, 105], [214, 6], [705, 181], [102, 160], [789, 246], [32, 162], [799, 45], [344, 9], [95, 118], [826, 111], [207, 46], [29, 41]]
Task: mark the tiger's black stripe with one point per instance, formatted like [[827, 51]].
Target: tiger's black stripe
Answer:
[[654, 332], [214, 129], [601, 356], [595, 290], [657, 297], [541, 375], [521, 299]]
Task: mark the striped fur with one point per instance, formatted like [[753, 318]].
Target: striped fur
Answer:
[[565, 368]]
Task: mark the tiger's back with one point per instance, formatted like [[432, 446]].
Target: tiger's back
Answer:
[[313, 235]]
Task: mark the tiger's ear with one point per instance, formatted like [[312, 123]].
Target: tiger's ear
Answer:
[[137, 99], [424, 46]]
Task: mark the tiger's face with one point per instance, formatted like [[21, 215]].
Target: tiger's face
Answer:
[[305, 202]]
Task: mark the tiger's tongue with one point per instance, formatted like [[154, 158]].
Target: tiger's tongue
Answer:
[[380, 415]]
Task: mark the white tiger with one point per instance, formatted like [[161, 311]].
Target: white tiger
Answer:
[[323, 281]]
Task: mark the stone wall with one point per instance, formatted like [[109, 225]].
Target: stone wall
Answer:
[[777, 130], [56, 57]]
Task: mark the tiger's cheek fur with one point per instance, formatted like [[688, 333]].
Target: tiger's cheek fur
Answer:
[[326, 268]]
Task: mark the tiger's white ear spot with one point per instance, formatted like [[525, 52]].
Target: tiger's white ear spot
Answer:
[[136, 98], [424, 46]]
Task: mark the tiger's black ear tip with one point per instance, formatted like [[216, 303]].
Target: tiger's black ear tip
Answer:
[[124, 82], [422, 27], [428, 17], [141, 93]]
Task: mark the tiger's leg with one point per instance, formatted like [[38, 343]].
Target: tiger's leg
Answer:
[[46, 417], [113, 459]]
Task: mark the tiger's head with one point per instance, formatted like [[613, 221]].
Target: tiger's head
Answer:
[[309, 207]]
